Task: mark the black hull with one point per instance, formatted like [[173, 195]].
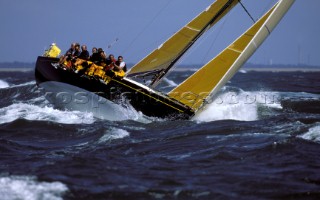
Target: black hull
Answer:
[[143, 99]]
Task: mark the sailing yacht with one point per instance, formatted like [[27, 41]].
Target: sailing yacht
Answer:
[[95, 94]]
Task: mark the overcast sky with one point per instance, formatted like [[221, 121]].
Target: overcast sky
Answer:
[[133, 28]]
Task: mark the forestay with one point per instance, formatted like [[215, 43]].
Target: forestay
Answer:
[[159, 62], [215, 74]]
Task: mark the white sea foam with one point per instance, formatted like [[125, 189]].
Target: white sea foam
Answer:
[[312, 135], [28, 188], [170, 82], [33, 112], [75, 98], [24, 84], [242, 106], [129, 113], [113, 134], [3, 84]]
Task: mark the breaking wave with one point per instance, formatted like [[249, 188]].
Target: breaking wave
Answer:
[[28, 188], [3, 84], [312, 135], [24, 84], [37, 113], [171, 83], [242, 106], [113, 134], [243, 71]]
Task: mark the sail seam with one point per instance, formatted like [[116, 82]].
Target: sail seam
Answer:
[[190, 104], [208, 25], [193, 29], [250, 35], [235, 50], [245, 9], [252, 42], [261, 30]]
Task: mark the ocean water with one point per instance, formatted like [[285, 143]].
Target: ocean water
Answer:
[[259, 138]]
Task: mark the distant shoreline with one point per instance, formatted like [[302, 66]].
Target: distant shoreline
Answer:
[[244, 69], [282, 69], [16, 69], [266, 69], [27, 66]]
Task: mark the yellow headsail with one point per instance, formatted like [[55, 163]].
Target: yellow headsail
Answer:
[[212, 76], [170, 51]]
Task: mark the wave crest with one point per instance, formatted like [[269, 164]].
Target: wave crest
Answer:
[[312, 135], [238, 105], [37, 113], [25, 187], [3, 84]]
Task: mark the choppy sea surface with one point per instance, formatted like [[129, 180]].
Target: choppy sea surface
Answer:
[[258, 139]]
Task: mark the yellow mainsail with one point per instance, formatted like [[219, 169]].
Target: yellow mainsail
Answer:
[[212, 76], [171, 50]]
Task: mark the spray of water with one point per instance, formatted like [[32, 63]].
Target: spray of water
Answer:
[[3, 84], [242, 106]]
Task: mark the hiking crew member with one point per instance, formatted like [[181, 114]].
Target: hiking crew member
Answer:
[[65, 57], [110, 62], [84, 53], [120, 65], [94, 56], [101, 58], [76, 52]]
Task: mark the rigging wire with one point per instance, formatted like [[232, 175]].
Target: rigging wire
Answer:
[[112, 43], [223, 23], [191, 50], [245, 9], [268, 6], [214, 40], [195, 47], [201, 41], [188, 53], [147, 26]]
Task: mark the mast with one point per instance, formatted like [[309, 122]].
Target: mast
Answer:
[[160, 75], [216, 73], [162, 59]]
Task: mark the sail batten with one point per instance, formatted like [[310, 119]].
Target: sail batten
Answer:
[[173, 49], [211, 77]]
